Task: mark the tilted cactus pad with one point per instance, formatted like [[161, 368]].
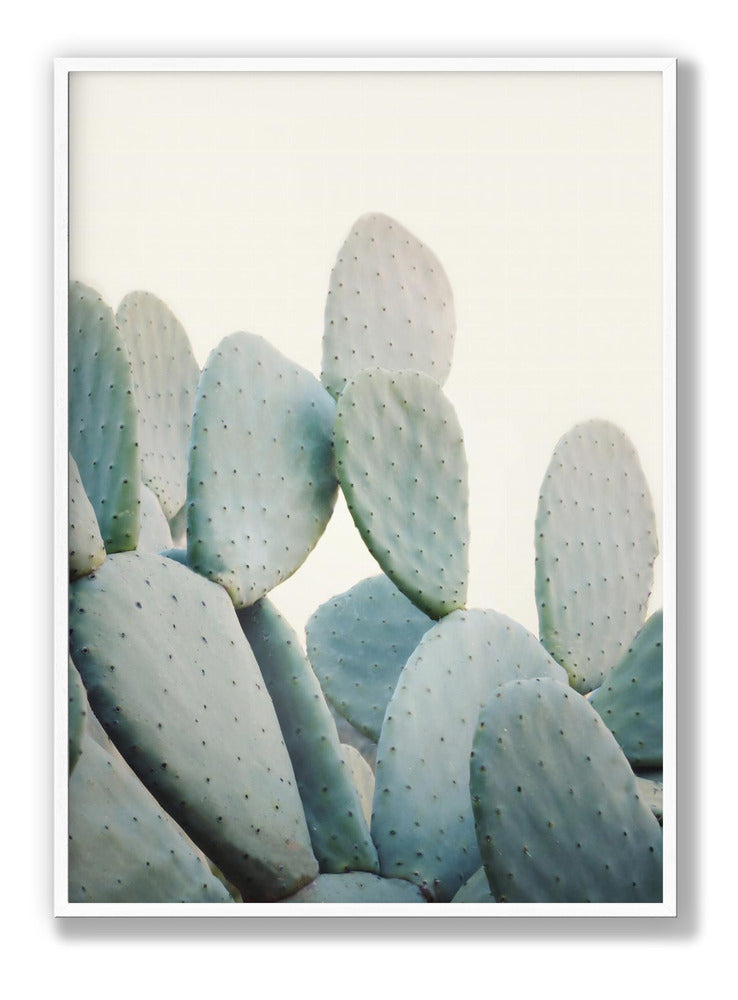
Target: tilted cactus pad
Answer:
[[422, 820], [475, 889], [86, 549], [261, 485], [558, 813], [595, 549], [357, 887], [358, 642], [173, 681], [389, 305], [103, 420], [402, 467]]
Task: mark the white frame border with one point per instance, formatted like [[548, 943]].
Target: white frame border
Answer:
[[63, 67]]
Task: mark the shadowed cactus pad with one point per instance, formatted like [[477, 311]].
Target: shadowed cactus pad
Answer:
[[402, 467], [357, 887], [86, 549], [338, 830], [596, 545], [558, 813], [165, 376], [103, 420], [389, 305], [261, 485], [631, 700], [77, 714], [475, 889], [422, 820], [362, 777], [173, 681], [358, 642]]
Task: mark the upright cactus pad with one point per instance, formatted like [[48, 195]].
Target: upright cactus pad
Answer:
[[338, 830], [595, 549], [422, 819], [103, 421], [389, 305], [165, 375], [362, 777], [173, 681], [402, 467], [154, 535], [123, 847], [631, 700], [651, 789], [475, 889], [86, 549], [357, 887], [77, 713], [558, 813], [261, 485], [358, 642]]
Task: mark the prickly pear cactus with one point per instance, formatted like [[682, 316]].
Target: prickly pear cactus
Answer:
[[77, 714], [154, 535], [357, 887], [86, 549], [389, 305]]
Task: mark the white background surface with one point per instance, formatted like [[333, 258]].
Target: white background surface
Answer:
[[570, 958]]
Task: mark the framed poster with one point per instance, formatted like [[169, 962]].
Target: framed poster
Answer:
[[365, 427]]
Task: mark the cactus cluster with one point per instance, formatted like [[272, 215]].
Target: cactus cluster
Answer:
[[408, 748]]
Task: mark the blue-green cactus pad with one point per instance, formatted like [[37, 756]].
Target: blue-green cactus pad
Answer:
[[651, 788], [596, 544], [352, 737], [178, 528], [358, 642], [103, 420], [362, 777], [631, 700], [357, 887], [77, 713], [174, 683], [389, 305], [422, 820], [165, 375], [338, 830], [154, 535], [475, 889], [558, 813], [86, 549], [123, 847], [261, 485], [402, 467]]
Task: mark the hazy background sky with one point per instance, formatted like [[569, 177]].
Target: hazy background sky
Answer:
[[228, 195]]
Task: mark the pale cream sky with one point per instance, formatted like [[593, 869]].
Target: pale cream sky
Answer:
[[228, 195]]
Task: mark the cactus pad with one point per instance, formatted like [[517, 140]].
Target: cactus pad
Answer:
[[86, 549], [358, 642], [422, 820], [357, 887], [103, 421], [595, 549], [77, 713], [338, 831], [631, 699], [261, 484], [389, 305], [154, 535], [402, 466], [558, 813], [165, 376], [475, 889], [174, 683], [362, 777]]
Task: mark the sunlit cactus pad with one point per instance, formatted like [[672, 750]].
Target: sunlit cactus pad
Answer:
[[389, 305], [402, 466], [154, 535], [103, 420], [558, 813], [165, 375], [596, 544], [358, 642], [261, 485]]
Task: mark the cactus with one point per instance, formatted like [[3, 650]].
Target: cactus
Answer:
[[261, 484], [357, 887], [154, 534], [402, 467], [86, 549], [389, 305], [77, 714], [362, 777], [475, 889], [358, 642]]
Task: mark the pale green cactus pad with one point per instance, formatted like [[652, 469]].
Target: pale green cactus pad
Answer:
[[358, 642], [165, 375], [174, 683], [261, 485], [357, 887], [338, 830], [178, 528], [651, 789], [154, 535], [389, 305], [631, 700], [402, 467], [475, 889], [350, 735], [123, 847], [422, 820], [558, 813], [86, 549], [103, 420], [362, 777], [596, 544], [77, 714]]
